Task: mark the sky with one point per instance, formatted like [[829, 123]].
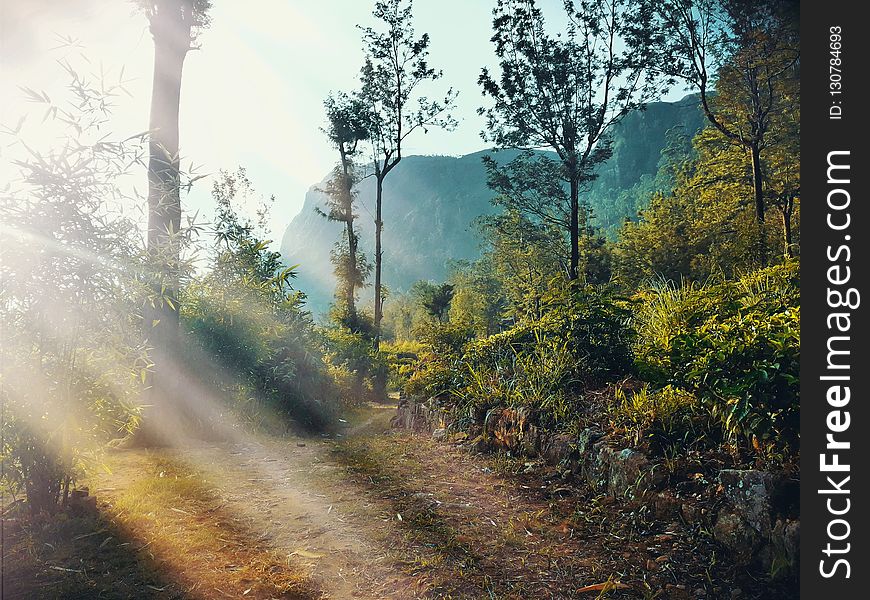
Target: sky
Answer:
[[252, 94]]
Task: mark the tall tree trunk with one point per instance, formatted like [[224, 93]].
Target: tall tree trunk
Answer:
[[787, 210], [758, 194], [379, 225], [170, 28], [573, 268], [347, 201]]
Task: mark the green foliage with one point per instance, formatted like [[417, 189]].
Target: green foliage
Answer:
[[524, 258], [582, 340], [735, 346], [666, 419], [520, 367], [595, 324], [348, 126], [478, 297], [435, 299], [356, 366], [247, 332], [70, 299], [704, 227], [436, 371], [747, 368]]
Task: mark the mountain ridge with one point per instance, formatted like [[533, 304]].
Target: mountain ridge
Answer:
[[431, 202]]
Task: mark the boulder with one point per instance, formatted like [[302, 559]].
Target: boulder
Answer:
[[81, 502], [749, 493], [785, 548], [508, 428], [587, 438], [628, 473], [420, 416], [666, 505], [733, 532], [557, 449]]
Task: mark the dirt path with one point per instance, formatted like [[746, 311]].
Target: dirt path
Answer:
[[379, 514]]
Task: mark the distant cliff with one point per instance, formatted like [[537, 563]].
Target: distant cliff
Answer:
[[430, 203]]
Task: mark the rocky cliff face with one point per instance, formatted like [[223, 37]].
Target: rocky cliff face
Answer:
[[431, 202]]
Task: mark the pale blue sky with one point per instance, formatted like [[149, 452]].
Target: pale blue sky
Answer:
[[253, 94]]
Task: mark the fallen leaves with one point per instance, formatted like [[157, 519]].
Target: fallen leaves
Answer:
[[606, 586]]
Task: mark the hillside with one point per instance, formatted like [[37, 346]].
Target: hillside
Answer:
[[430, 203]]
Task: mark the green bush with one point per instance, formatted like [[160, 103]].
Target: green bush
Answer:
[[246, 331], [596, 327], [72, 363], [663, 419], [437, 370], [582, 340], [735, 346], [746, 367], [355, 365]]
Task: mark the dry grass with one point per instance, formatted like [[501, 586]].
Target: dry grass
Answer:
[[160, 533], [189, 534]]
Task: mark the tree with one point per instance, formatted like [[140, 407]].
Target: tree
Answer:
[[247, 335], [531, 184], [751, 47], [705, 226], [478, 298], [525, 257], [396, 66], [347, 127], [72, 359], [433, 298], [174, 25], [566, 93]]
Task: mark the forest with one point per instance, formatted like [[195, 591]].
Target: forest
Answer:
[[564, 366]]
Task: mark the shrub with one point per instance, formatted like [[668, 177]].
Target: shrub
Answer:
[[581, 340], [437, 371], [662, 419], [596, 327], [357, 367], [247, 333], [735, 346], [746, 367], [69, 263]]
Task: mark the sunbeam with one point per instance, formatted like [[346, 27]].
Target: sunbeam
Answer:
[[401, 299]]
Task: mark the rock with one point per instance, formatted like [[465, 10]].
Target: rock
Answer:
[[666, 505], [478, 444], [435, 416], [749, 493], [586, 439], [629, 473], [412, 416], [691, 513], [81, 502], [785, 548], [733, 532], [557, 449], [439, 435]]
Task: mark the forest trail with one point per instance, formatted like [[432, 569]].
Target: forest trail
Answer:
[[373, 514]]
